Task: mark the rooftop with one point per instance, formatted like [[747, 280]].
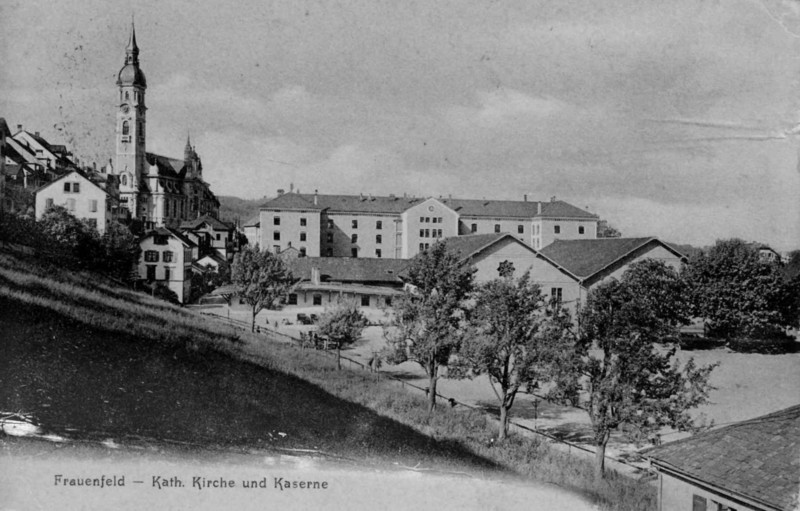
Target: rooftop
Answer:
[[348, 269], [758, 458]]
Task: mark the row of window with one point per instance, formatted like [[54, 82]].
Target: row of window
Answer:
[[700, 503], [151, 256], [70, 204], [429, 220], [72, 187], [316, 299], [151, 272], [430, 233], [276, 220]]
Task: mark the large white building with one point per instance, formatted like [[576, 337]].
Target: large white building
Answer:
[[96, 202], [158, 190]]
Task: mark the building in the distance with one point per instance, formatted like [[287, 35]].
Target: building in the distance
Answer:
[[93, 200], [396, 227], [158, 190], [167, 261]]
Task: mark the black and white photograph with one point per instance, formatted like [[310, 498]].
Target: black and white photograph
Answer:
[[374, 255]]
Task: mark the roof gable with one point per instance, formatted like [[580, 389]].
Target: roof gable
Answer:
[[73, 173], [758, 458]]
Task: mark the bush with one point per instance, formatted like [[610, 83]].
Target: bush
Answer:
[[776, 345]]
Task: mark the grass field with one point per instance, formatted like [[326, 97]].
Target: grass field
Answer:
[[88, 358]]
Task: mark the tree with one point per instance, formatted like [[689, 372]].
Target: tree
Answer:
[[428, 317], [120, 250], [738, 293], [511, 340], [606, 230], [628, 381], [261, 280], [342, 324], [73, 238]]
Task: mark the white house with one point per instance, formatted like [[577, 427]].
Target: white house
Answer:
[[85, 199], [167, 260]]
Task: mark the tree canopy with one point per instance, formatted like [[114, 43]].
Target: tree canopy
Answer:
[[629, 381], [429, 317], [343, 324], [261, 279]]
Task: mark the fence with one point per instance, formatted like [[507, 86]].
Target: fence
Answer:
[[451, 401]]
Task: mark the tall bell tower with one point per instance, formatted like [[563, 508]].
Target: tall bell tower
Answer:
[[130, 132]]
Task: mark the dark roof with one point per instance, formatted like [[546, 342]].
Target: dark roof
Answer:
[[396, 205], [253, 222], [348, 269], [469, 244], [584, 258], [4, 127], [758, 458], [167, 167], [69, 173], [215, 223], [166, 231]]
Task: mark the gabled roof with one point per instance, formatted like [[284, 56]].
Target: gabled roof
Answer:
[[166, 231], [348, 269], [585, 258], [68, 174], [216, 224], [253, 222], [167, 167], [758, 458], [397, 205]]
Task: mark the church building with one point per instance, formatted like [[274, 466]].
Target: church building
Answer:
[[158, 190]]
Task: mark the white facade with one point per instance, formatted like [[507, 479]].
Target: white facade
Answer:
[[82, 198], [167, 260]]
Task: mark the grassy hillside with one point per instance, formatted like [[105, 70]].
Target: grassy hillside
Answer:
[[90, 359]]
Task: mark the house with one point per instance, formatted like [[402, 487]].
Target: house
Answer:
[[5, 133], [95, 202], [749, 465], [397, 227], [211, 235], [252, 231], [54, 158], [166, 260], [592, 262]]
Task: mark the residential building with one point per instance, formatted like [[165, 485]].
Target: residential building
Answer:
[[211, 235], [252, 230], [4, 134], [158, 190], [749, 465], [167, 261], [396, 227], [96, 202]]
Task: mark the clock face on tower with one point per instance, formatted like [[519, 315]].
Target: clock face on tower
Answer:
[[125, 109]]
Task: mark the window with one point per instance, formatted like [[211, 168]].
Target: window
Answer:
[[276, 220], [127, 95], [48, 204], [329, 252], [151, 272], [434, 220], [422, 219], [76, 187], [474, 228], [353, 252], [329, 237], [292, 299], [581, 229], [150, 256], [218, 237], [378, 253], [168, 256], [421, 247], [302, 236], [440, 219], [439, 233], [67, 187], [71, 204], [276, 236], [276, 249], [699, 503], [520, 229], [166, 273], [556, 294], [355, 224], [537, 228], [330, 224], [302, 222], [354, 238], [302, 251], [422, 233], [557, 229], [388, 301], [427, 233], [159, 239], [124, 179], [379, 225], [317, 300], [126, 127], [496, 227], [378, 239], [365, 300]]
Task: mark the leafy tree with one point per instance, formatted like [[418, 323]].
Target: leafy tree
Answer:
[[738, 293], [209, 280], [342, 324], [606, 230], [78, 242], [120, 250], [512, 339], [261, 280], [428, 317], [792, 267], [628, 381]]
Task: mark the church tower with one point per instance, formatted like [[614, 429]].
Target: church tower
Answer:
[[130, 132]]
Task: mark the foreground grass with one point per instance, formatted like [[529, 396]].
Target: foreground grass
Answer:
[[86, 354]]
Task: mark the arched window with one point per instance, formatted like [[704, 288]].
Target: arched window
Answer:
[[127, 95], [124, 179], [126, 127]]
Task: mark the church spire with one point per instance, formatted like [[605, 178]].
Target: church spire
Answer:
[[132, 50], [188, 151]]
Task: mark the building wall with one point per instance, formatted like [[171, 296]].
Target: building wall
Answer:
[[253, 234], [78, 203], [651, 251], [679, 495], [305, 298], [336, 235], [289, 230], [544, 230], [419, 223], [490, 225], [180, 267]]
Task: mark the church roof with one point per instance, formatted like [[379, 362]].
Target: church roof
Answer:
[[167, 167]]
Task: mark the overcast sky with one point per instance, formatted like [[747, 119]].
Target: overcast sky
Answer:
[[671, 119]]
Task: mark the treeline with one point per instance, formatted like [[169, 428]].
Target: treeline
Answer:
[[73, 243]]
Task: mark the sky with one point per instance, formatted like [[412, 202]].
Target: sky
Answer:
[[671, 119]]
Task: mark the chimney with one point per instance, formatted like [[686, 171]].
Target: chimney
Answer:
[[19, 127], [538, 208], [362, 196], [315, 275], [94, 166], [525, 197], [553, 198], [280, 191], [37, 133], [291, 187], [316, 197]]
